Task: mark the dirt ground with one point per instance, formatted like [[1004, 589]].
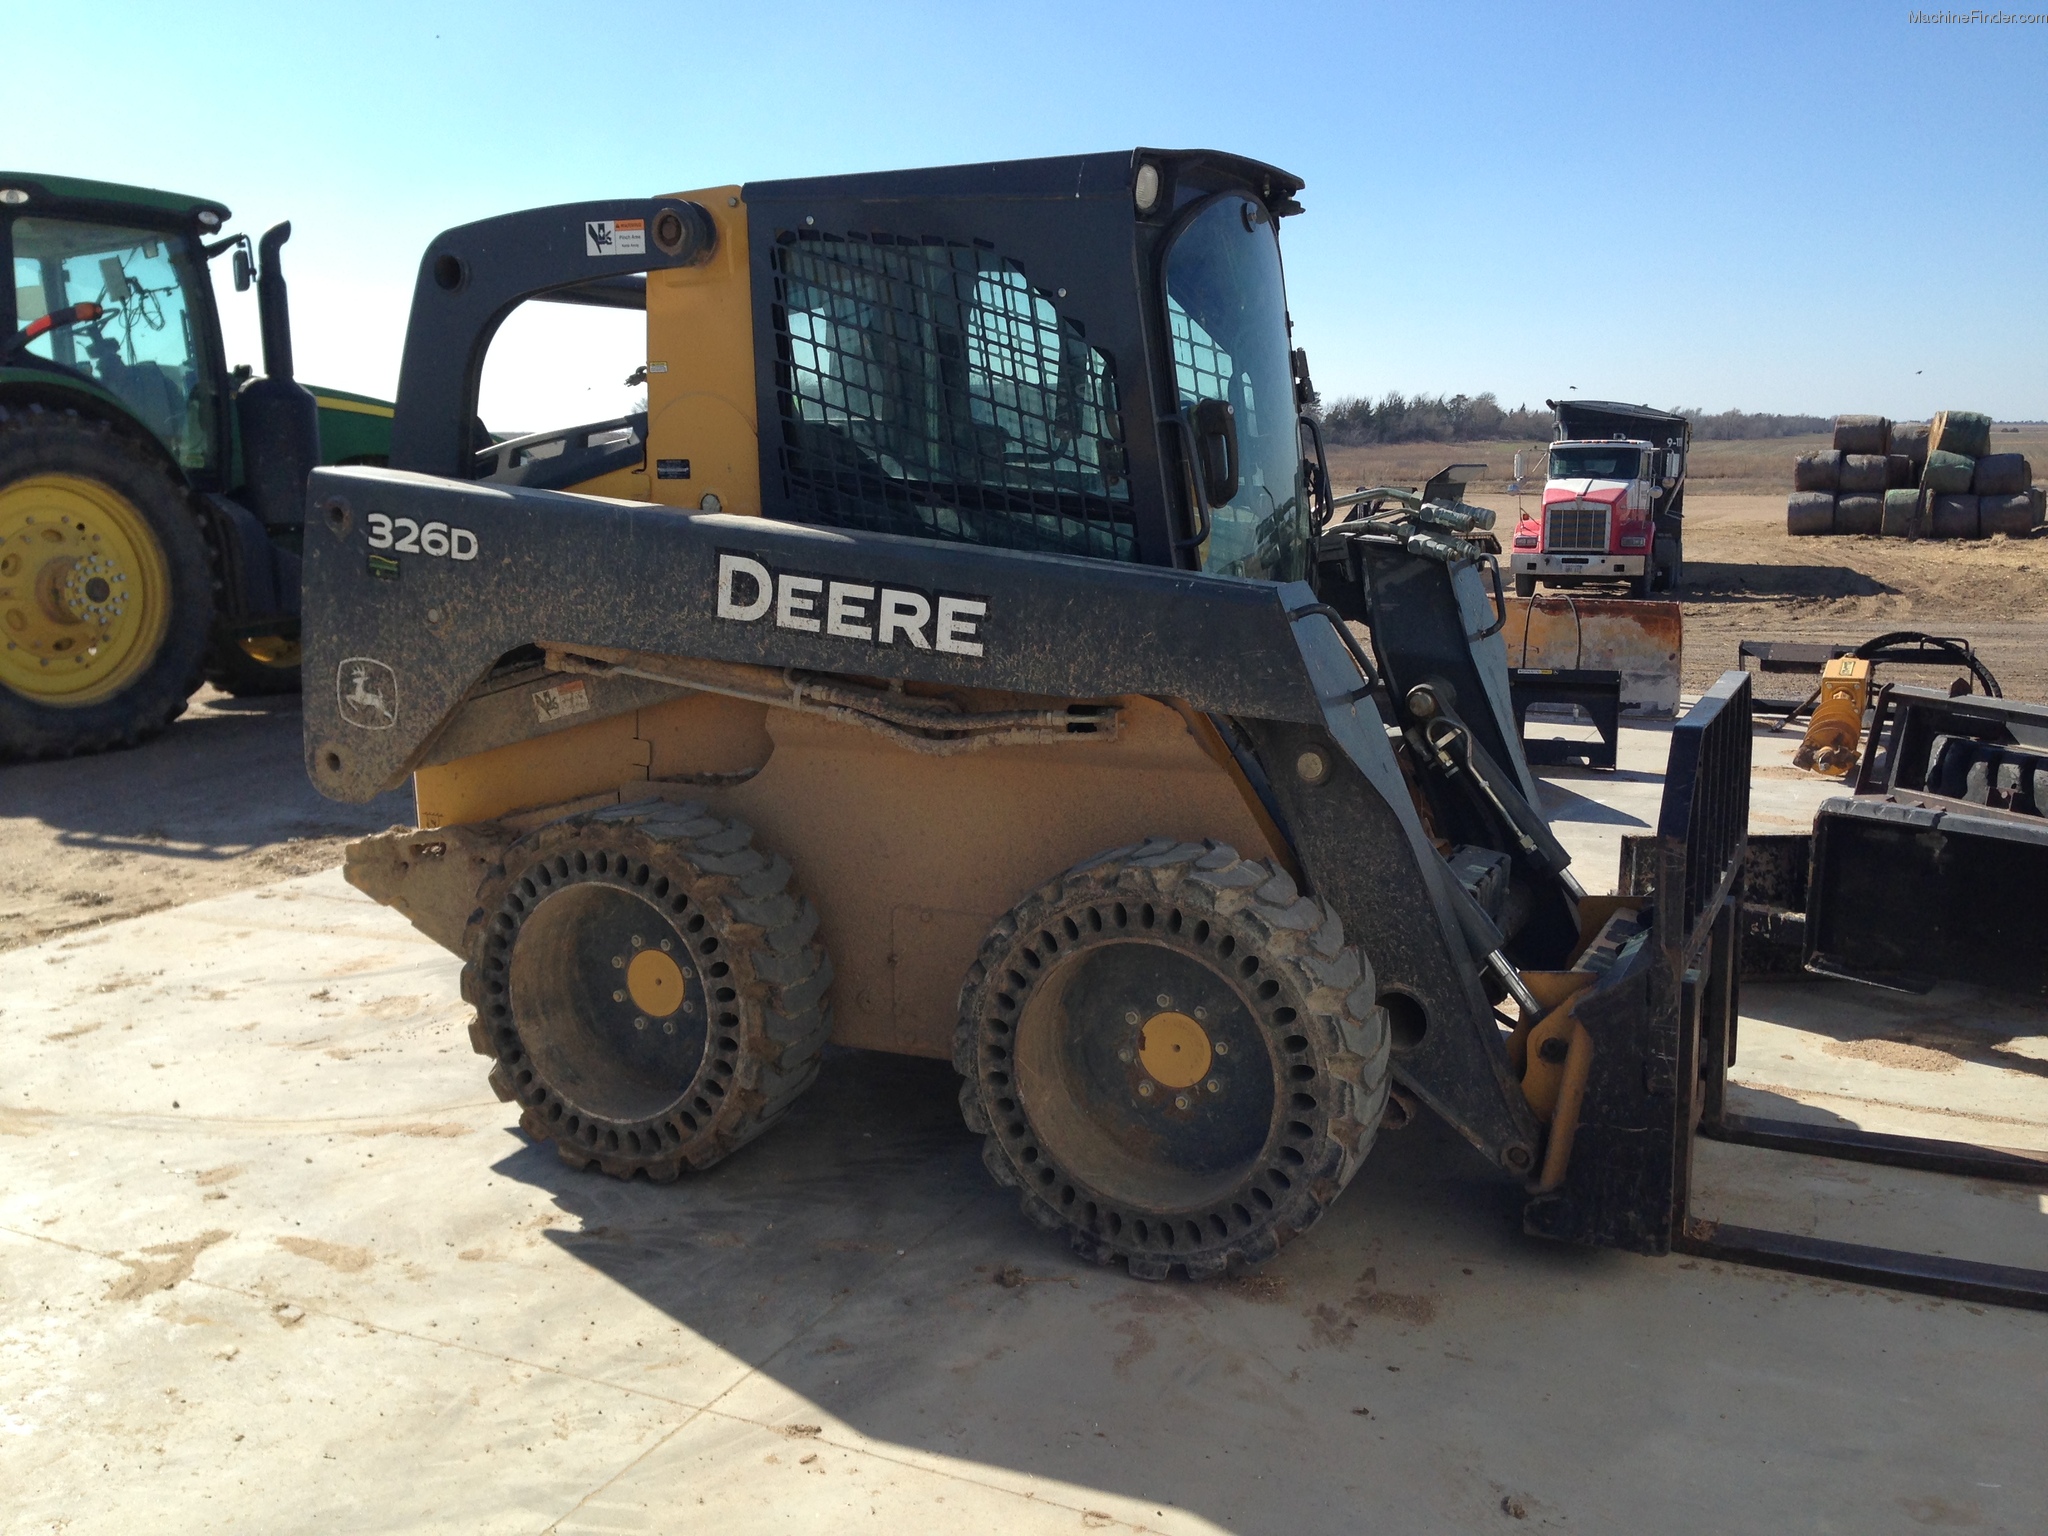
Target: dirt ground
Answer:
[[1750, 467], [218, 803], [1746, 578]]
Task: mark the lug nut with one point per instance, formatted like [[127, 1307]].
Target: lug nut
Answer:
[[639, 1022], [1180, 1101], [1130, 1015], [638, 942], [668, 1026], [1144, 1090], [618, 962], [618, 997], [1201, 1013], [1165, 1001], [1213, 1086], [1222, 1047], [666, 946], [1124, 1055]]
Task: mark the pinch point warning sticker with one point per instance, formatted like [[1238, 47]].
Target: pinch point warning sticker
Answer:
[[615, 237], [570, 698]]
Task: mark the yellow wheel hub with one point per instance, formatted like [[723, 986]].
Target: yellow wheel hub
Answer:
[[85, 593], [656, 983], [271, 651], [1174, 1049]]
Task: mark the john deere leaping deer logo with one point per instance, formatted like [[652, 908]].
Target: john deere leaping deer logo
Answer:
[[367, 691]]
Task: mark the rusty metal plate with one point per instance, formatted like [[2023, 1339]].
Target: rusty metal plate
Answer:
[[1642, 640]]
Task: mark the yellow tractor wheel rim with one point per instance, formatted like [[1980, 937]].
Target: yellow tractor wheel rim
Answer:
[[85, 592]]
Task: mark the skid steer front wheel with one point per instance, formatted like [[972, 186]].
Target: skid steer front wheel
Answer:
[[1174, 1057], [652, 993]]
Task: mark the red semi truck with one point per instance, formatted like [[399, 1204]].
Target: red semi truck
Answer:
[[1613, 501]]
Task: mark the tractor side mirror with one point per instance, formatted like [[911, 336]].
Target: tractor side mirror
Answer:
[[1672, 464], [242, 275], [1215, 428]]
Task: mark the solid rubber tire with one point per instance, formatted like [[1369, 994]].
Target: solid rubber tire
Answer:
[[770, 1014], [1323, 1027]]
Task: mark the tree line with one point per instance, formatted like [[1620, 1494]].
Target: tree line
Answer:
[[1355, 420]]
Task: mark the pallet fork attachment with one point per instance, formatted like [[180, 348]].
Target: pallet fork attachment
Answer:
[[1663, 1028]]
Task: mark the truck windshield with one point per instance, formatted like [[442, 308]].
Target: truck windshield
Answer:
[[1226, 308], [1595, 463], [146, 350]]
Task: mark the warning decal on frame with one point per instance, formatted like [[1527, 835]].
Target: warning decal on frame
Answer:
[[570, 698], [615, 237]]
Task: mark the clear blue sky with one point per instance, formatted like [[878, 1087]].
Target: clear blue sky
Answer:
[[1779, 207]]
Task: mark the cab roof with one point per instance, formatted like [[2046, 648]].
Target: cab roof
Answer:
[[105, 197]]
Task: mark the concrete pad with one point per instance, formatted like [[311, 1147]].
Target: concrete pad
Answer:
[[251, 1183], [1592, 809]]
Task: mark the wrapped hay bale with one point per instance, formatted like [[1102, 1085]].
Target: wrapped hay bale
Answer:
[[2002, 474], [1910, 438], [1859, 514], [1863, 434], [1954, 517], [1899, 472], [1810, 512], [1901, 515], [1864, 472], [1948, 474], [1964, 432], [2014, 515], [1817, 471]]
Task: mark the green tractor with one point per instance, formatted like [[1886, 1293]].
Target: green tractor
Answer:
[[151, 501]]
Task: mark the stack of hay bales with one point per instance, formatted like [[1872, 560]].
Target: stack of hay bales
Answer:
[[1914, 480]]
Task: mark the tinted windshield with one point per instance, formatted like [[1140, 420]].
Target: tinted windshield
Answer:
[[1596, 463], [1227, 309], [146, 350]]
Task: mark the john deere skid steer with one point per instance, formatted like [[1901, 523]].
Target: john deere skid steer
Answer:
[[954, 660]]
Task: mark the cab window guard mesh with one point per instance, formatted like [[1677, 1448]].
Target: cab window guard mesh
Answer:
[[926, 388]]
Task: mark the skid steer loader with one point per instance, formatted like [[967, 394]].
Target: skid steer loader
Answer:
[[954, 660]]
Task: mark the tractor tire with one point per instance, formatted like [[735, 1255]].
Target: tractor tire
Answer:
[[106, 588], [650, 990], [1525, 586], [255, 669], [1174, 1058]]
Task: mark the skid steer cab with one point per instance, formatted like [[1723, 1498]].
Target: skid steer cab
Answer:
[[962, 657]]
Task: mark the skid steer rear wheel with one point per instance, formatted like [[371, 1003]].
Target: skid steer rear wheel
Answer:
[[1174, 1058], [651, 991]]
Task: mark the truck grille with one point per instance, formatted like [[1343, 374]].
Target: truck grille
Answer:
[[1571, 528]]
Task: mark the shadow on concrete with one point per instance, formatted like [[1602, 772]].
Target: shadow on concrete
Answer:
[[228, 776], [860, 1257], [1961, 1023], [1562, 804]]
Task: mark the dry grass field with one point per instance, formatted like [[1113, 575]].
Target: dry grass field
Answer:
[[1756, 467], [1745, 578]]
